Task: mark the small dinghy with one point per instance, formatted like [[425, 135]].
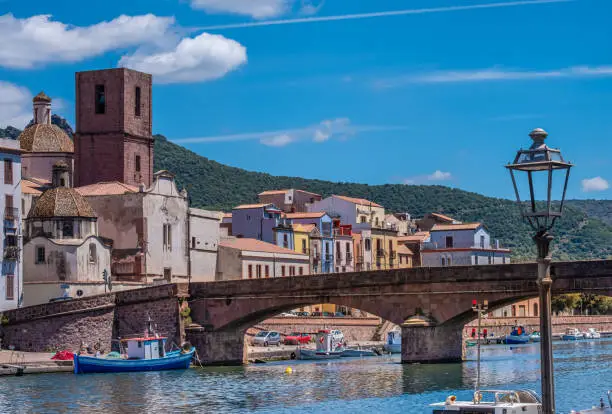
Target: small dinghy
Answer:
[[144, 353], [517, 336], [572, 334], [600, 408], [535, 337]]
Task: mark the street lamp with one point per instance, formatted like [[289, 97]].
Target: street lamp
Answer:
[[545, 165]]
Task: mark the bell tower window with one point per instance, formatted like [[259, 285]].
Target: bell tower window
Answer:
[[137, 101], [100, 99], [138, 163]]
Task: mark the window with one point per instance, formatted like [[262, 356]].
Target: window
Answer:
[[9, 211], [10, 240], [291, 270], [40, 255], [62, 182], [376, 222], [504, 260], [449, 242], [138, 163], [167, 274], [337, 269], [535, 309], [343, 269], [248, 217], [137, 101], [304, 246], [301, 271], [285, 241], [513, 310], [267, 271], [443, 260], [449, 261], [482, 242], [100, 99], [8, 172], [368, 245], [348, 249], [363, 219], [10, 287], [193, 242], [92, 253], [338, 252], [490, 260], [283, 271], [67, 229], [250, 271], [258, 271], [167, 237]]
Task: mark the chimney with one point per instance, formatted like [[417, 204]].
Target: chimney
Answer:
[[496, 243]]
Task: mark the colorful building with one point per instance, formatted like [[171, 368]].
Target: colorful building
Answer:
[[291, 200], [244, 258], [462, 244], [351, 210], [343, 247], [322, 245], [415, 242], [256, 221], [11, 278]]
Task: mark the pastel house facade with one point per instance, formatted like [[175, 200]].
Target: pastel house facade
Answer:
[[256, 221]]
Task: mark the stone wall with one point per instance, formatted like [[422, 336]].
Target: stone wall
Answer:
[[503, 326], [95, 319]]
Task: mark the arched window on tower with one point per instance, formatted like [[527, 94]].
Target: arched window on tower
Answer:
[[93, 257]]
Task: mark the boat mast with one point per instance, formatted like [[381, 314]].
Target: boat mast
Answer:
[[480, 308]]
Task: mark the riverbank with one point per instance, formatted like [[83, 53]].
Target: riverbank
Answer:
[[20, 363]]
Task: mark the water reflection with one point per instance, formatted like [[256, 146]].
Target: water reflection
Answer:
[[582, 370]]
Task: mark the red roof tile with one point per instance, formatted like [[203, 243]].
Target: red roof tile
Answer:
[[106, 188], [451, 227], [254, 245]]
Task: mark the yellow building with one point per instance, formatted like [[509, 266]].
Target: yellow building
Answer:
[[384, 249]]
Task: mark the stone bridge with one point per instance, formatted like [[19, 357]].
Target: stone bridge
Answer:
[[431, 304]]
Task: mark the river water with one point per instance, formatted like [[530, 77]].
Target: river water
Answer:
[[583, 371]]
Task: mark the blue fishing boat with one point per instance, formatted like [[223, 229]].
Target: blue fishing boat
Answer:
[[144, 353], [517, 336], [572, 334]]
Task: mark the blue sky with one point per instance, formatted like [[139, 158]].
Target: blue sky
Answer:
[[435, 92]]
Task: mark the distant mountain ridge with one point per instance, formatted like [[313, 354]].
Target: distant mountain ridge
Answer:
[[581, 234]]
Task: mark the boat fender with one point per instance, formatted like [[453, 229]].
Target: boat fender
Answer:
[[321, 339], [450, 400], [477, 397]]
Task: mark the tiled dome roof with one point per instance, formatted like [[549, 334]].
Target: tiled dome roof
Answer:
[[61, 202], [45, 138], [41, 97]]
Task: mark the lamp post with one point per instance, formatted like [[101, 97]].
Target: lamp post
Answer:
[[480, 308], [544, 164]]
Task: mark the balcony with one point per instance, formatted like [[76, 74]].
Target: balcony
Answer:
[[392, 255], [342, 231], [349, 257], [381, 253], [305, 250], [329, 257], [11, 253], [11, 213]]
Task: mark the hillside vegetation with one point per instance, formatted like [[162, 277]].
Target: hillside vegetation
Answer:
[[581, 234], [216, 186]]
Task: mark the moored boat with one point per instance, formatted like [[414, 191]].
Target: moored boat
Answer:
[[328, 347], [518, 335], [535, 337], [144, 353], [493, 402], [358, 352], [600, 409], [394, 342], [591, 333], [572, 334]]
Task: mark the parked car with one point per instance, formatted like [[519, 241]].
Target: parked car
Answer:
[[266, 338], [316, 314], [297, 338], [303, 314], [339, 315], [288, 315]]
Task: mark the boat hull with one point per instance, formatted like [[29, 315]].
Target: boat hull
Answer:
[[572, 337], [173, 360], [517, 339], [309, 354], [355, 353]]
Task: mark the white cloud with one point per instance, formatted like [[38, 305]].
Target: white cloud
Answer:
[[252, 4], [594, 184], [439, 176], [37, 40], [323, 131], [15, 105], [494, 74], [277, 141], [201, 58], [258, 9]]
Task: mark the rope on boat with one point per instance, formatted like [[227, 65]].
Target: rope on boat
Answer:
[[197, 358]]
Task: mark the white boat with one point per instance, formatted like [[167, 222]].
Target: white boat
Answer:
[[358, 352], [591, 333], [493, 402], [535, 337], [328, 347], [394, 342], [572, 334]]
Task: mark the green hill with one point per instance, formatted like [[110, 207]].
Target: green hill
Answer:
[[217, 186], [581, 234]]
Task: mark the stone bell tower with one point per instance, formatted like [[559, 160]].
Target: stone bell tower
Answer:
[[113, 140]]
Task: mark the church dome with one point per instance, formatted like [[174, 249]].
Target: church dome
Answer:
[[61, 202], [45, 138]]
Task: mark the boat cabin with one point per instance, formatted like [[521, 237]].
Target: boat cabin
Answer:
[[518, 331], [326, 341], [492, 402], [151, 347]]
